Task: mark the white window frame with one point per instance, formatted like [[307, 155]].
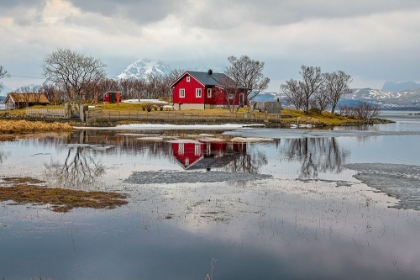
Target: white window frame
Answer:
[[188, 79], [198, 92], [182, 93], [197, 149], [181, 148], [209, 93]]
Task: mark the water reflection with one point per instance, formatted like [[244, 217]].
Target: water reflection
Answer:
[[3, 156], [316, 155], [231, 156], [79, 170]]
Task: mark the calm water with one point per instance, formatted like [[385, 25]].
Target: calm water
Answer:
[[309, 204]]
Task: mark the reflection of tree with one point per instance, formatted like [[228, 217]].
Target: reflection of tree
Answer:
[[248, 163], [2, 156], [79, 169], [317, 155]]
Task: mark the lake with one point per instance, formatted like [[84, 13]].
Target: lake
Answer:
[[302, 204]]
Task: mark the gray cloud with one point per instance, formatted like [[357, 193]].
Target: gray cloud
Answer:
[[143, 11], [219, 14], [7, 4]]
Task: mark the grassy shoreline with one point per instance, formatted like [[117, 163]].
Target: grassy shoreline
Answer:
[[16, 122], [28, 126]]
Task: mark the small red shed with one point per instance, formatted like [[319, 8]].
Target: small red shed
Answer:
[[113, 97]]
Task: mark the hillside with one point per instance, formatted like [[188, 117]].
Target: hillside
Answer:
[[384, 99]]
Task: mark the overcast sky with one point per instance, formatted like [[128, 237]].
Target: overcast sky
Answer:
[[372, 40]]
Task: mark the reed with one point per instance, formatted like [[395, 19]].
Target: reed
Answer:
[[23, 126]]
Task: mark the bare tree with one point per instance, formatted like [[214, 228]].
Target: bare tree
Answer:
[[336, 84], [74, 72], [294, 96], [53, 93], [321, 98], [367, 111], [230, 92], [312, 81], [303, 91], [362, 110], [154, 86], [3, 73], [175, 74], [248, 74], [98, 88]]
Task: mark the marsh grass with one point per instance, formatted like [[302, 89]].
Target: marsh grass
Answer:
[[22, 126], [62, 200]]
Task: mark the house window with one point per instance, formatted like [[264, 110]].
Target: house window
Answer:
[[231, 96], [188, 79], [181, 148], [197, 150], [198, 92], [209, 93], [182, 92], [187, 161]]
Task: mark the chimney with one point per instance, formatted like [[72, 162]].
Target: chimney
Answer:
[[210, 72]]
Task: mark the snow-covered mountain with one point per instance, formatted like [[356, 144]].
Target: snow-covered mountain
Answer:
[[409, 99], [142, 68]]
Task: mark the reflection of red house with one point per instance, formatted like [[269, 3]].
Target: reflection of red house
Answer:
[[205, 90], [188, 152], [205, 155], [112, 97]]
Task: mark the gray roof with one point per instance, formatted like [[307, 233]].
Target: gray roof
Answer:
[[211, 80]]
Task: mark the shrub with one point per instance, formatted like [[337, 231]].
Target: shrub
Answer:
[[314, 111], [147, 106]]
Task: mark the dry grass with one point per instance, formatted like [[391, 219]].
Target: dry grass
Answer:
[[325, 117], [62, 200], [22, 126]]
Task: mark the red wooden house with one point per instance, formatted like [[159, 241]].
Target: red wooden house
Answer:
[[113, 97], [206, 90]]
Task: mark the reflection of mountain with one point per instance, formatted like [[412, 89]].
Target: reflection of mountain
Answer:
[[316, 155], [192, 155]]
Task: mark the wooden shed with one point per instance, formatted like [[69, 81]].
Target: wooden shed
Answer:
[[113, 97], [16, 100]]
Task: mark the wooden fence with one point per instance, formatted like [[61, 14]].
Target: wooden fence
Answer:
[[46, 113], [95, 115]]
